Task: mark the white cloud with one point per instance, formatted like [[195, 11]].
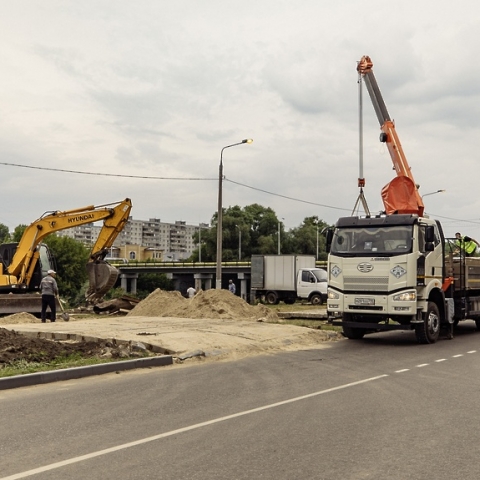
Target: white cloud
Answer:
[[157, 88]]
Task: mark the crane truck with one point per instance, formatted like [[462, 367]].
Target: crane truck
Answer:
[[23, 264], [396, 270]]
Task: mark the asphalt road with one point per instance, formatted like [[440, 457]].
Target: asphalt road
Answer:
[[381, 408]]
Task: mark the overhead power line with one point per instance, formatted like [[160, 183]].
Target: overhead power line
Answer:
[[147, 177], [285, 196], [77, 172]]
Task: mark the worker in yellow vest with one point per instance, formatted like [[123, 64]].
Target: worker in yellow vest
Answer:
[[467, 244]]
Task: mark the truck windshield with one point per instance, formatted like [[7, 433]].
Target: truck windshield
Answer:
[[320, 274], [367, 241]]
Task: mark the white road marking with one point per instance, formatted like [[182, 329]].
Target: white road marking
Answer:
[[403, 370], [472, 351], [124, 446], [441, 360], [423, 365], [459, 355]]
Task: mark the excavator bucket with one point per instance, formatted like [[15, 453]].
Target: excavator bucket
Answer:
[[101, 277]]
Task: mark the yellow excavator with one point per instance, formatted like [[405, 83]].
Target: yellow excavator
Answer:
[[23, 264]]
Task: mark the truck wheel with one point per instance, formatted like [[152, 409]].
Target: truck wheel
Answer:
[[354, 333], [429, 330], [271, 298], [289, 301], [316, 299], [477, 323]]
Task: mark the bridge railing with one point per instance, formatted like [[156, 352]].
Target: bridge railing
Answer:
[[180, 263]]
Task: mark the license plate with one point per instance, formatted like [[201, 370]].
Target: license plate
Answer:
[[364, 301]]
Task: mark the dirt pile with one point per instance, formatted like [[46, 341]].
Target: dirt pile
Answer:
[[22, 317], [215, 304]]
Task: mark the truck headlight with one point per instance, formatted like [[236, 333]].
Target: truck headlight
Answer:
[[405, 297], [332, 295]]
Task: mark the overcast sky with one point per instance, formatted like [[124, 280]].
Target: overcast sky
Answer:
[[156, 88]]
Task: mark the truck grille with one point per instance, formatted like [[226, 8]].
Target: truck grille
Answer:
[[372, 284]]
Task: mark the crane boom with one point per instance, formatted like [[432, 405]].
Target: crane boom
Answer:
[[401, 194]]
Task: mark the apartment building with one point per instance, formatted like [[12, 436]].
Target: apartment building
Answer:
[[144, 239]]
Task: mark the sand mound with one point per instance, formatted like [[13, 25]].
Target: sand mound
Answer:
[[22, 317], [218, 304]]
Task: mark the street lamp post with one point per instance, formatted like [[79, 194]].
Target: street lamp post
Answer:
[[199, 243], [279, 225], [317, 243], [218, 284], [239, 243]]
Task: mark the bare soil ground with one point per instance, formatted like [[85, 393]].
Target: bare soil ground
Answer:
[[15, 347], [212, 320]]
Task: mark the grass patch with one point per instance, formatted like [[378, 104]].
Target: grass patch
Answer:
[[303, 322], [22, 367], [296, 307]]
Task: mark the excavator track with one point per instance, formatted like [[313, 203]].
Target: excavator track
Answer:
[[101, 277], [22, 302]]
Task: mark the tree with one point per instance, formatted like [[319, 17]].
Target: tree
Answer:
[[71, 257], [259, 235], [148, 282], [18, 232], [4, 233], [304, 238]]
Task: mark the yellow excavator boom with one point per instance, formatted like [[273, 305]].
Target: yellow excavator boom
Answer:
[[101, 275]]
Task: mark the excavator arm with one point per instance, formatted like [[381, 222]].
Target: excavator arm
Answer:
[[401, 194], [114, 215]]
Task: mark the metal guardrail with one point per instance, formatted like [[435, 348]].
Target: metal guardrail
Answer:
[[181, 264]]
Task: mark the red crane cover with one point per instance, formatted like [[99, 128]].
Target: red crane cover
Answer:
[[400, 196]]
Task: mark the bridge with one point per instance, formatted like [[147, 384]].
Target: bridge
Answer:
[[183, 274]]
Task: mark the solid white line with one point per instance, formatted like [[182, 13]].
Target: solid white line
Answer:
[[124, 446]]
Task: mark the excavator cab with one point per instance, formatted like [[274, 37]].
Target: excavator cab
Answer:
[[45, 262]]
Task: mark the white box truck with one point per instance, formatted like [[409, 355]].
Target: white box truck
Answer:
[[287, 278]]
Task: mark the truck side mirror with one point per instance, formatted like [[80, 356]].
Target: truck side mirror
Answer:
[[328, 239], [429, 238], [429, 234]]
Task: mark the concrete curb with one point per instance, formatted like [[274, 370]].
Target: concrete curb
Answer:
[[303, 315], [30, 379]]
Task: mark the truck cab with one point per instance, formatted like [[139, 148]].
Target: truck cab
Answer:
[[312, 285], [386, 272]]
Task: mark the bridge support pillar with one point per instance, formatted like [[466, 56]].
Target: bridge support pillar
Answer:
[[127, 279], [243, 277], [203, 281]]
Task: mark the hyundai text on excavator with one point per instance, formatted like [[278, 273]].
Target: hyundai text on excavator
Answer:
[[396, 270], [23, 264]]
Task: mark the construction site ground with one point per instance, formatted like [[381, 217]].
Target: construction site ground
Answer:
[[214, 325]]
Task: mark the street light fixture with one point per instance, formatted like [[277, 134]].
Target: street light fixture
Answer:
[[218, 284], [433, 193]]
